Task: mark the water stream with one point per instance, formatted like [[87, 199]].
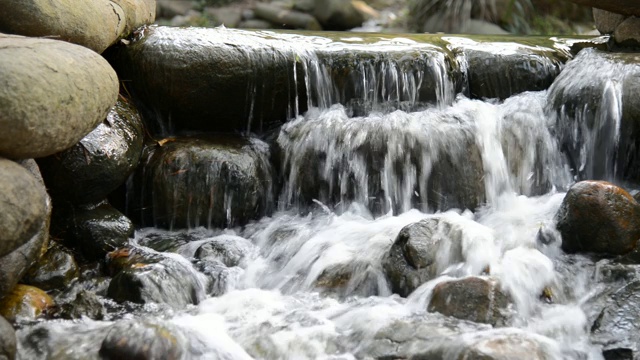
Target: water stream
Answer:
[[368, 157]]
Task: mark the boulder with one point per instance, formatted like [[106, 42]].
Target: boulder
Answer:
[[85, 304], [8, 342], [337, 14], [92, 230], [473, 298], [169, 8], [286, 18], [142, 339], [353, 279], [599, 217], [229, 250], [26, 302], [624, 7], [212, 181], [103, 160], [23, 209], [55, 93], [627, 34], [606, 21], [227, 16], [154, 278], [56, 269], [77, 24], [425, 249]]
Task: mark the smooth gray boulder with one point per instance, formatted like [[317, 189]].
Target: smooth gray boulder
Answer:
[[52, 94], [23, 206], [624, 7], [66, 20]]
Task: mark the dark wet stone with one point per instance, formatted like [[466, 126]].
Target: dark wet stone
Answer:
[[597, 216], [7, 340], [625, 7], [56, 269], [86, 304], [154, 278], [589, 106], [229, 250], [92, 230], [142, 340], [26, 302], [23, 209], [411, 261], [474, 299], [495, 75], [221, 278], [94, 167], [337, 14], [354, 279], [215, 181]]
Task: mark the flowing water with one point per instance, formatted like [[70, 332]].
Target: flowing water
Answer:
[[310, 283]]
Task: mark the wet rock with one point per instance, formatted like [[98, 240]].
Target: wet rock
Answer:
[[355, 279], [8, 341], [606, 21], [93, 230], [24, 302], [65, 20], [23, 209], [474, 299], [495, 75], [156, 279], [90, 170], [220, 277], [287, 18], [625, 7], [424, 249], [627, 34], [59, 93], [229, 250], [85, 304], [598, 114], [202, 181], [337, 14], [597, 216], [505, 347], [253, 86], [56, 269], [133, 339]]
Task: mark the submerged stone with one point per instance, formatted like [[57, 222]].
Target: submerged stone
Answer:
[[56, 269], [474, 299], [212, 181], [597, 216], [142, 339], [86, 304], [100, 162]]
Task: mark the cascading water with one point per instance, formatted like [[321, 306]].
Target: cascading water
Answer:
[[379, 144]]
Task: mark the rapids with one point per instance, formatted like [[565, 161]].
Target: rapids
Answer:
[[354, 173]]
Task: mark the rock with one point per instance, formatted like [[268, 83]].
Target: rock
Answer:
[[136, 339], [627, 34], [85, 304], [624, 7], [59, 92], [424, 249], [220, 278], [306, 6], [597, 216], [8, 341], [212, 181], [354, 279], [255, 24], [169, 8], [156, 279], [227, 16], [76, 24], [506, 346], [229, 250], [24, 302], [474, 299], [597, 114], [337, 14], [287, 18], [55, 270], [100, 162], [498, 75], [92, 230], [607, 22], [23, 209], [204, 64]]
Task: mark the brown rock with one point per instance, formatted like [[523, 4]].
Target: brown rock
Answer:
[[606, 21], [625, 7], [24, 301], [628, 32], [597, 216]]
